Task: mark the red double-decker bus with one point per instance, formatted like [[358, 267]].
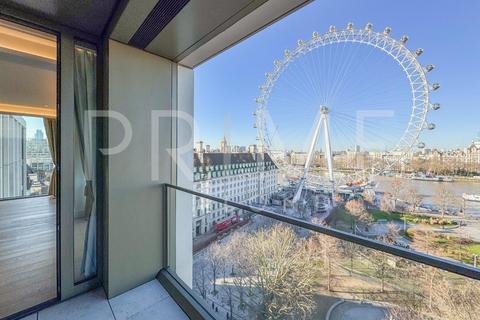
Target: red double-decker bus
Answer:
[[225, 224]]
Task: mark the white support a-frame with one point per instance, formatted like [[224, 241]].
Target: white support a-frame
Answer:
[[323, 119]]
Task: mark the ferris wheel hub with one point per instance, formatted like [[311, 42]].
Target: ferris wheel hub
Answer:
[[324, 110]]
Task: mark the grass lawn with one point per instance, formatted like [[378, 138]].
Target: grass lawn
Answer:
[[473, 248], [448, 246], [378, 214]]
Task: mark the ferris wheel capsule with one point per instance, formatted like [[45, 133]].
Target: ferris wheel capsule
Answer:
[[300, 43], [419, 51], [429, 67], [350, 26], [255, 125], [435, 106], [387, 31], [404, 39], [435, 86], [368, 27], [421, 145], [287, 53], [331, 29], [315, 35], [431, 126]]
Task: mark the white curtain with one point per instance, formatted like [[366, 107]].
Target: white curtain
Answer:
[[85, 100]]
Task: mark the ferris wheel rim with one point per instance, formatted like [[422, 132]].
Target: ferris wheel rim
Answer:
[[416, 75]]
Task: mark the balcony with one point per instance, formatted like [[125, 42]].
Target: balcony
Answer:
[[277, 266], [148, 301]]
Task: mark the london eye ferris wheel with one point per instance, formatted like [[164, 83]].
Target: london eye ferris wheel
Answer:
[[344, 106]]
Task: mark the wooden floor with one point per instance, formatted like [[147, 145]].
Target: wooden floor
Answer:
[[27, 253]]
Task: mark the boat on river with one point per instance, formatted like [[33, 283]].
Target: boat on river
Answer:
[[471, 197], [432, 178]]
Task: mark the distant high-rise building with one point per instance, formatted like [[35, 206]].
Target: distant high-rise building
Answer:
[[38, 135], [38, 153], [13, 170]]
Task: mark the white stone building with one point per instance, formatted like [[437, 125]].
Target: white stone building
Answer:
[[472, 153], [241, 177]]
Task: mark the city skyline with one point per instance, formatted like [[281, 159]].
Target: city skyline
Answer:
[[216, 147], [229, 101]]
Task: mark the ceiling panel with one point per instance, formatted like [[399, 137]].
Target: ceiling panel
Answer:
[[86, 15], [194, 24], [158, 18], [131, 19]]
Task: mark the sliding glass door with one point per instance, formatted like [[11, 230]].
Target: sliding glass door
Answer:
[[28, 160]]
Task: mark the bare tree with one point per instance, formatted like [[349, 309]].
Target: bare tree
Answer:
[[200, 279], [386, 203], [238, 260], [358, 211], [456, 300], [283, 273], [350, 249], [391, 234], [443, 198], [396, 189], [423, 241], [448, 297], [413, 197], [215, 258], [380, 266], [329, 248], [369, 196]]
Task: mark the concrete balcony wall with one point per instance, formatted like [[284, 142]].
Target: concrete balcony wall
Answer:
[[139, 83]]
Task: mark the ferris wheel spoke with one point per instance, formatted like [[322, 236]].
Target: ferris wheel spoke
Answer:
[[367, 123], [346, 70], [352, 130], [359, 66]]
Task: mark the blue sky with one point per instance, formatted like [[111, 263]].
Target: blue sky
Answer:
[[34, 124], [226, 86]]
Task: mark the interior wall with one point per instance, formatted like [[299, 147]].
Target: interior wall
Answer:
[[139, 83]]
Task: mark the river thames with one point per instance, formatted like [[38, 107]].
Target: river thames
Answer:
[[427, 190]]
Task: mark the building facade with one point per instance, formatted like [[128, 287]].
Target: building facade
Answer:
[[241, 177], [13, 175], [39, 164]]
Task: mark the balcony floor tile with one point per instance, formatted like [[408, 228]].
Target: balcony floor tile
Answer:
[[92, 305], [148, 301], [165, 309], [137, 300]]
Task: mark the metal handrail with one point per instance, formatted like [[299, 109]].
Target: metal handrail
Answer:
[[440, 263]]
